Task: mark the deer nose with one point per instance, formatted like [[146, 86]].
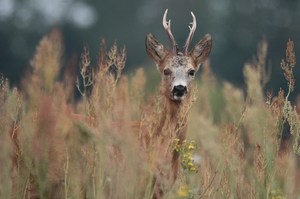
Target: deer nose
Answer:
[[179, 90]]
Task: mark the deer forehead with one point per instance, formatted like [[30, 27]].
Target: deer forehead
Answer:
[[179, 61]]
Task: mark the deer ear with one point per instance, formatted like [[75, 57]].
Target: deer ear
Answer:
[[201, 50], [155, 49]]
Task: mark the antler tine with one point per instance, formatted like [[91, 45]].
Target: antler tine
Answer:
[[167, 26], [190, 37]]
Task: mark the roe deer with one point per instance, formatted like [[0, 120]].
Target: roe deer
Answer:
[[178, 70]]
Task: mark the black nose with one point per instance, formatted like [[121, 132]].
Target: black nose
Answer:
[[179, 90]]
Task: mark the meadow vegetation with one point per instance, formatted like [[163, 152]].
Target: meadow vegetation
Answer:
[[56, 145]]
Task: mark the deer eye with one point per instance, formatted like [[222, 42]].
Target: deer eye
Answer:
[[167, 72], [191, 72]]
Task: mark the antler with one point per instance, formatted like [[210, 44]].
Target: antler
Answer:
[[190, 37], [167, 26]]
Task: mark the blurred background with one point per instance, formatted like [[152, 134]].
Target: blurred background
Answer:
[[236, 28]]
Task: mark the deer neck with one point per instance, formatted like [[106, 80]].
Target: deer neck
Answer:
[[175, 114], [177, 109], [173, 108]]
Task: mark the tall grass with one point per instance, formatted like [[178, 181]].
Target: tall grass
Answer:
[[101, 145]]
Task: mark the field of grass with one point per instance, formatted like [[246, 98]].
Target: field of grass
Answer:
[[240, 144]]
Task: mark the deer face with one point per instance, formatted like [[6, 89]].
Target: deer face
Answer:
[[177, 74], [178, 68]]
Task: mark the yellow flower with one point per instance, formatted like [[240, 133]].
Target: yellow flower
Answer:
[[193, 169], [191, 147], [277, 194], [183, 191], [189, 156], [190, 164]]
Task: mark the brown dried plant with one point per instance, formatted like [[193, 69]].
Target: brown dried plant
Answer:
[[47, 62], [106, 77], [86, 73], [289, 113], [288, 65], [116, 140]]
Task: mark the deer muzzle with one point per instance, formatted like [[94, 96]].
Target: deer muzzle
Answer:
[[179, 91], [179, 86]]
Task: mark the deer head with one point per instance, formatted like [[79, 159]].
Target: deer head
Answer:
[[178, 68]]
